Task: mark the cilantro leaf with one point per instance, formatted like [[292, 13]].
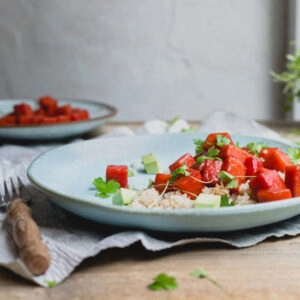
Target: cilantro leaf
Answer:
[[225, 176], [255, 148], [199, 145], [51, 283], [213, 152], [222, 140], [163, 282], [228, 179], [225, 201], [232, 184], [294, 155], [201, 273], [179, 171], [105, 188], [201, 158]]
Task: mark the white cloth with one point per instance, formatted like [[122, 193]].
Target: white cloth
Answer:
[[71, 239]]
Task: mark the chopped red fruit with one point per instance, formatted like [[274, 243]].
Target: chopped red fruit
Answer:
[[118, 173]]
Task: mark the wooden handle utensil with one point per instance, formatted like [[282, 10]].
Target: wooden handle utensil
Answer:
[[27, 236]]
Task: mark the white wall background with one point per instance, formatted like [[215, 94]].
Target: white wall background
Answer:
[[149, 58]]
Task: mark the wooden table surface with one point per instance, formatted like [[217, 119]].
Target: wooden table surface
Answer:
[[269, 270]]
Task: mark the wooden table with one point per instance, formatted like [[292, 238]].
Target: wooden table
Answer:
[[270, 270]]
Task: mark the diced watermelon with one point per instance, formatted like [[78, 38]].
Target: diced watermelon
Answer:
[[292, 179], [191, 185], [64, 109], [236, 168], [49, 104], [233, 151], [267, 195], [160, 182], [23, 109], [211, 139], [266, 179], [277, 160], [209, 170], [186, 159], [253, 165], [266, 152], [118, 173]]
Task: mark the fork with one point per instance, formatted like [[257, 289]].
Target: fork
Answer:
[[26, 234]]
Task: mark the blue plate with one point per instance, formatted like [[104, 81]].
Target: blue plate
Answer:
[[65, 176], [99, 114]]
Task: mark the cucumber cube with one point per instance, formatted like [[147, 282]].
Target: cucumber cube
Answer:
[[123, 196], [150, 163], [207, 201]]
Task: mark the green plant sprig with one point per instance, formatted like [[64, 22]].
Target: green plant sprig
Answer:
[[290, 77], [201, 273], [105, 188]]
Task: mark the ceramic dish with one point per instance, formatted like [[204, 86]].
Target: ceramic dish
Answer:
[[65, 176], [99, 114]]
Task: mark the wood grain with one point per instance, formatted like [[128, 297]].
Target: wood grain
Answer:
[[270, 270], [27, 237]]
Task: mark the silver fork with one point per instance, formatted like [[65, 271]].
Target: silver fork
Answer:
[[26, 233], [15, 193]]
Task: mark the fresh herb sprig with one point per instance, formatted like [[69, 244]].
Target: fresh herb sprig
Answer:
[[225, 201], [294, 155], [199, 145], [255, 148], [290, 77], [212, 153], [229, 180], [183, 170], [222, 140], [51, 283], [201, 273], [163, 282], [105, 188]]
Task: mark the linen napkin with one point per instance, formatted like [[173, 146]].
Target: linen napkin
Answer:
[[71, 239]]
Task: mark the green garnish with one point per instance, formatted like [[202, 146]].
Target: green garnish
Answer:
[[225, 201], [179, 171], [131, 173], [51, 283], [200, 159], [290, 78], [294, 155], [163, 282], [222, 140], [201, 273], [228, 179], [199, 145], [105, 188], [212, 153], [255, 148], [150, 183]]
